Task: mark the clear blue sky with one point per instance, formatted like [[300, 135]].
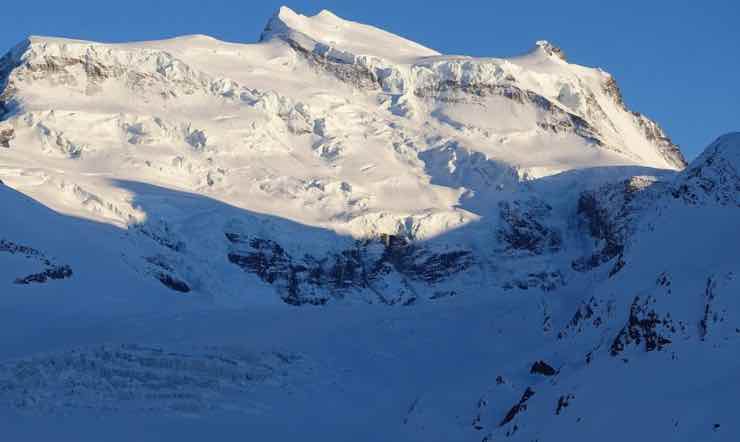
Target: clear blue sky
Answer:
[[677, 61]]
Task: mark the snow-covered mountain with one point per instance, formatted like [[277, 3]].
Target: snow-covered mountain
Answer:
[[482, 248]]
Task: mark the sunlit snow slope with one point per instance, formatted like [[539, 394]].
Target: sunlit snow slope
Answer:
[[482, 248]]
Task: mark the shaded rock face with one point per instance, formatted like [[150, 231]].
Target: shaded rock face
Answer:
[[710, 316], [602, 226], [161, 234], [523, 228], [166, 274], [546, 281], [612, 332], [543, 368], [609, 214], [8, 62], [52, 270], [173, 283], [589, 314], [645, 328], [563, 403], [718, 307], [316, 279], [518, 407], [652, 321], [525, 235], [165, 264]]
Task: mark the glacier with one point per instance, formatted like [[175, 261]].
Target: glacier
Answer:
[[339, 233]]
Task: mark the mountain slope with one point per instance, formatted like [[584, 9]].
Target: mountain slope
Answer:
[[548, 254], [313, 125]]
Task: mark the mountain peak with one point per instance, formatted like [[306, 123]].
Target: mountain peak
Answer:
[[714, 175], [726, 147], [153, 187], [329, 30], [327, 14], [284, 12], [730, 140], [550, 49]]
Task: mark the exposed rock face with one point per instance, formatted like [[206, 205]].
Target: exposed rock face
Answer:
[[589, 314], [523, 229], [562, 107], [546, 281], [86, 68], [576, 108], [52, 270], [610, 214], [557, 120], [166, 274], [8, 63], [315, 280], [655, 134], [645, 328], [544, 226], [543, 368], [651, 130], [518, 407], [343, 68], [6, 136], [563, 403], [551, 49]]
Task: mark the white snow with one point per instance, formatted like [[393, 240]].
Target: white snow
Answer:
[[129, 161]]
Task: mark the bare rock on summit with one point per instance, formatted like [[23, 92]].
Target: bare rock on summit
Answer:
[[6, 136]]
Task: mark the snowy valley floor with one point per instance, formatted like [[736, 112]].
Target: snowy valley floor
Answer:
[[342, 373]]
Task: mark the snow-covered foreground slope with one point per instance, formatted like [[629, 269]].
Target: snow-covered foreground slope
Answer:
[[481, 249]]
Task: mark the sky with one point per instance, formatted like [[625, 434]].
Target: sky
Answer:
[[678, 62]]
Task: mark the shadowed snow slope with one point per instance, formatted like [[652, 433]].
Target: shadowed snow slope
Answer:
[[336, 233]]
